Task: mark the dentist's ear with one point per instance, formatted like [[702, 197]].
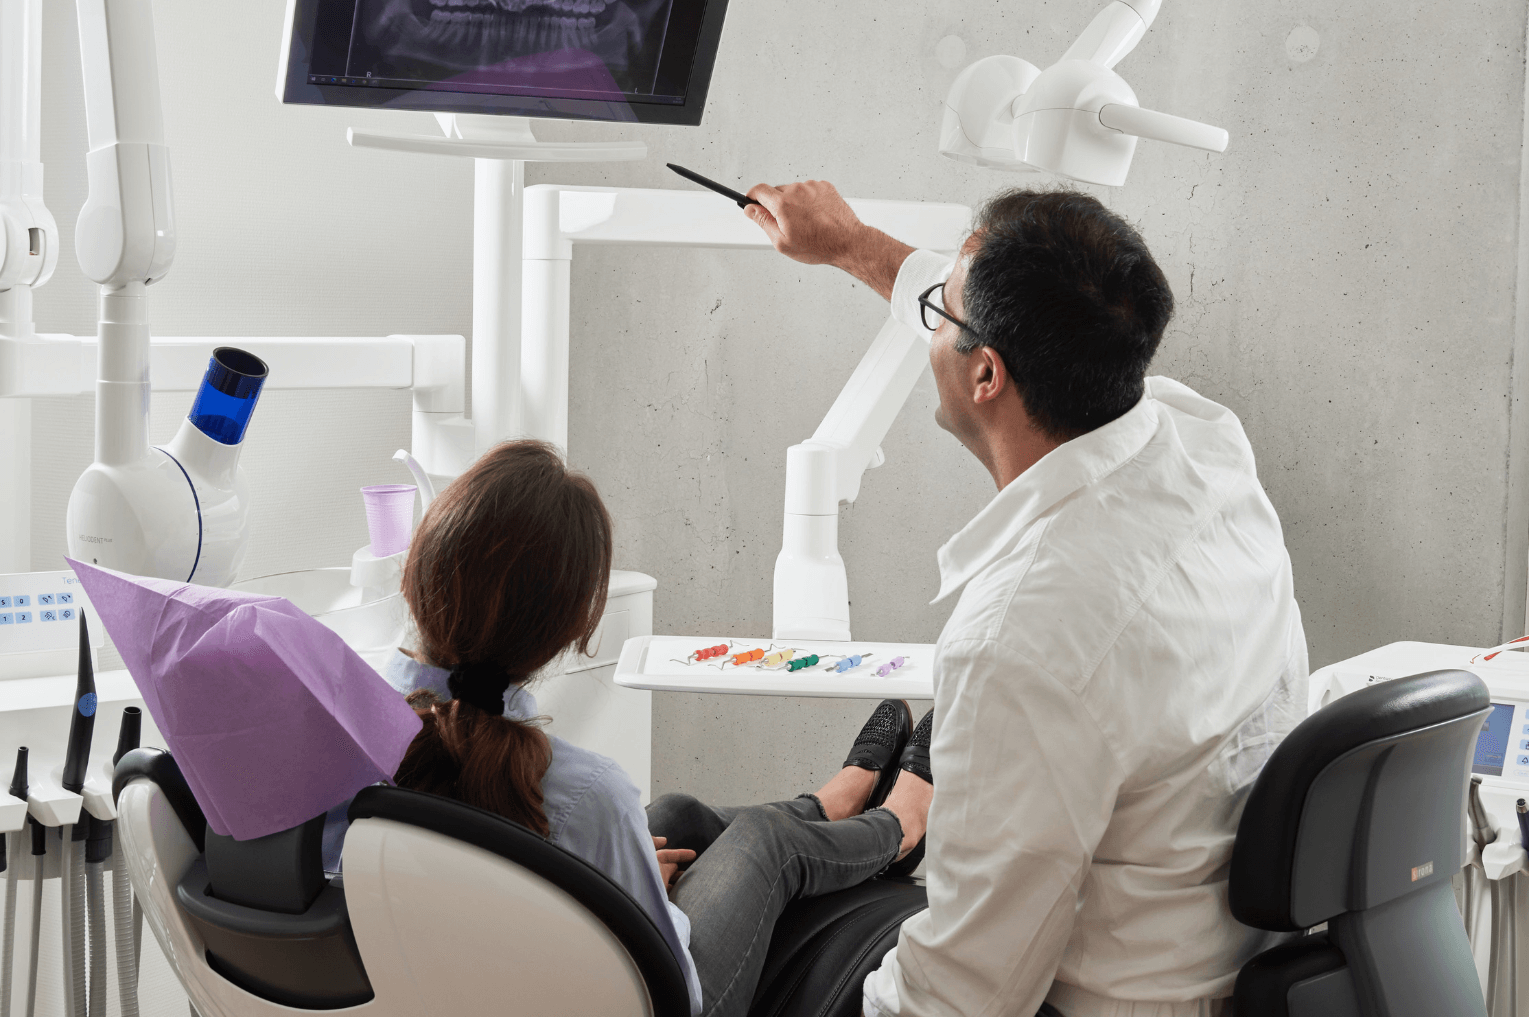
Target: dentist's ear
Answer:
[[991, 375]]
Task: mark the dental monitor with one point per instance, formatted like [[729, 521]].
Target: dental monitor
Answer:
[[630, 61]]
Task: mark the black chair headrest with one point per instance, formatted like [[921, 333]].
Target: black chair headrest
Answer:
[[161, 768], [1360, 804], [282, 872]]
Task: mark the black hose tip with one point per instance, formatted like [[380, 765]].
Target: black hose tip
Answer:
[[129, 734], [19, 784]]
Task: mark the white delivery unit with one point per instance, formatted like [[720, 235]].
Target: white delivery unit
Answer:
[[1494, 890]]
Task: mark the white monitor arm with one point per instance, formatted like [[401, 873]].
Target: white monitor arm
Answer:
[[811, 588]]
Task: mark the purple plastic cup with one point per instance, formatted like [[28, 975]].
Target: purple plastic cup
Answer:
[[389, 517]]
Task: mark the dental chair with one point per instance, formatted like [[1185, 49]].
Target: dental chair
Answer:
[[1357, 821], [444, 909]]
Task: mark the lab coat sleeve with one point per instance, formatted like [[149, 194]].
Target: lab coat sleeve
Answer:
[[1024, 786], [612, 829], [920, 270]]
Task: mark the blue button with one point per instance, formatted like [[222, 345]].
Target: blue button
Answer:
[[23, 617], [45, 598], [6, 602], [66, 598], [53, 616], [67, 614], [23, 601], [5, 617]]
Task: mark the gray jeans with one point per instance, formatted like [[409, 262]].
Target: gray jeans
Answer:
[[753, 861]]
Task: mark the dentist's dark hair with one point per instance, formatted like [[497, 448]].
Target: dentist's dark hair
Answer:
[[1066, 292], [509, 567]]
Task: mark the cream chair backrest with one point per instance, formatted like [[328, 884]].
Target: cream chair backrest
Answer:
[[444, 926]]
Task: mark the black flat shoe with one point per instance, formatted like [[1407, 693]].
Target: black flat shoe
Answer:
[[880, 743], [914, 759]]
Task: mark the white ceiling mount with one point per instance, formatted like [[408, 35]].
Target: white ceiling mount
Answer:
[[1076, 119]]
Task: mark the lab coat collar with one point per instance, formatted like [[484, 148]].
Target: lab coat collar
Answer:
[[1075, 464]]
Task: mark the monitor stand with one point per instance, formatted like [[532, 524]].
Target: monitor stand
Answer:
[[500, 147]]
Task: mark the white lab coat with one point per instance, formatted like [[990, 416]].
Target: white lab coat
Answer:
[[1125, 655]]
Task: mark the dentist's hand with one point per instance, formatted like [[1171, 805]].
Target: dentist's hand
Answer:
[[809, 222], [670, 860]]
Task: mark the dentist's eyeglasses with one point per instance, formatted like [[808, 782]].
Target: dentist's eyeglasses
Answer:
[[925, 305]]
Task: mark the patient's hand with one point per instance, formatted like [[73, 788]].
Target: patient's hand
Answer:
[[670, 860]]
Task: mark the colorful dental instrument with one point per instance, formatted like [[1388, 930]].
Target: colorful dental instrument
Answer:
[[890, 666], [845, 663], [778, 657], [705, 653], [747, 656], [807, 661]]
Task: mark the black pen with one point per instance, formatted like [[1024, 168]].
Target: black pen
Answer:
[[743, 200]]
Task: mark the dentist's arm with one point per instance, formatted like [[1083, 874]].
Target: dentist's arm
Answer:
[[809, 222]]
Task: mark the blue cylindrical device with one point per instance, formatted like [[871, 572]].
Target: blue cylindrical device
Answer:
[[229, 391]]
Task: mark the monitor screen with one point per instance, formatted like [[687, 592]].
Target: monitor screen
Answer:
[[633, 61], [1492, 743]]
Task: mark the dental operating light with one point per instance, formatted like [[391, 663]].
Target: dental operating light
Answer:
[[1076, 119]]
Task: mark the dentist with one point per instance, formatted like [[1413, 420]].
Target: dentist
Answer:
[[1126, 651]]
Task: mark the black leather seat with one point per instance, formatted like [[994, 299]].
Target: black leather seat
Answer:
[[823, 948], [1357, 822]]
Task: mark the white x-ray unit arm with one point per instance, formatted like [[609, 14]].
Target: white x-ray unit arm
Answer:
[[28, 234]]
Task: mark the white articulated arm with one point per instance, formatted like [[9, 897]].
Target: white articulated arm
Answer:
[[126, 231], [811, 587], [28, 234], [1114, 32]]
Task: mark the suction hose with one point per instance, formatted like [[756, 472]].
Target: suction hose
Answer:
[[39, 852], [82, 724], [127, 920], [18, 789], [97, 851], [72, 901], [8, 941]]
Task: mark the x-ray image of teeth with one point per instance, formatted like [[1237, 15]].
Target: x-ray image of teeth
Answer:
[[443, 39]]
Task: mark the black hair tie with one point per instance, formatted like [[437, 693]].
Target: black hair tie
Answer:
[[482, 685]]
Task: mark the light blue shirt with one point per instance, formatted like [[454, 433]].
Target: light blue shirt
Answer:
[[593, 810]]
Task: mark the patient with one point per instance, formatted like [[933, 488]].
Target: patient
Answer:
[[508, 569]]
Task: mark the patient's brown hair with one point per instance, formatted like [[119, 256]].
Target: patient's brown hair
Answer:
[[509, 567]]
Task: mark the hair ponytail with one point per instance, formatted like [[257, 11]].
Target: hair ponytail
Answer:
[[509, 567], [486, 761]]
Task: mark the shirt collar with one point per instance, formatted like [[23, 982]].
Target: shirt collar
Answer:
[[1075, 464], [408, 675]]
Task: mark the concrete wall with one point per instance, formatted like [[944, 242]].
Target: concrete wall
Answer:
[[1346, 276]]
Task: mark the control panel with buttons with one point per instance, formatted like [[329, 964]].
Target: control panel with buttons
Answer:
[[41, 611]]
